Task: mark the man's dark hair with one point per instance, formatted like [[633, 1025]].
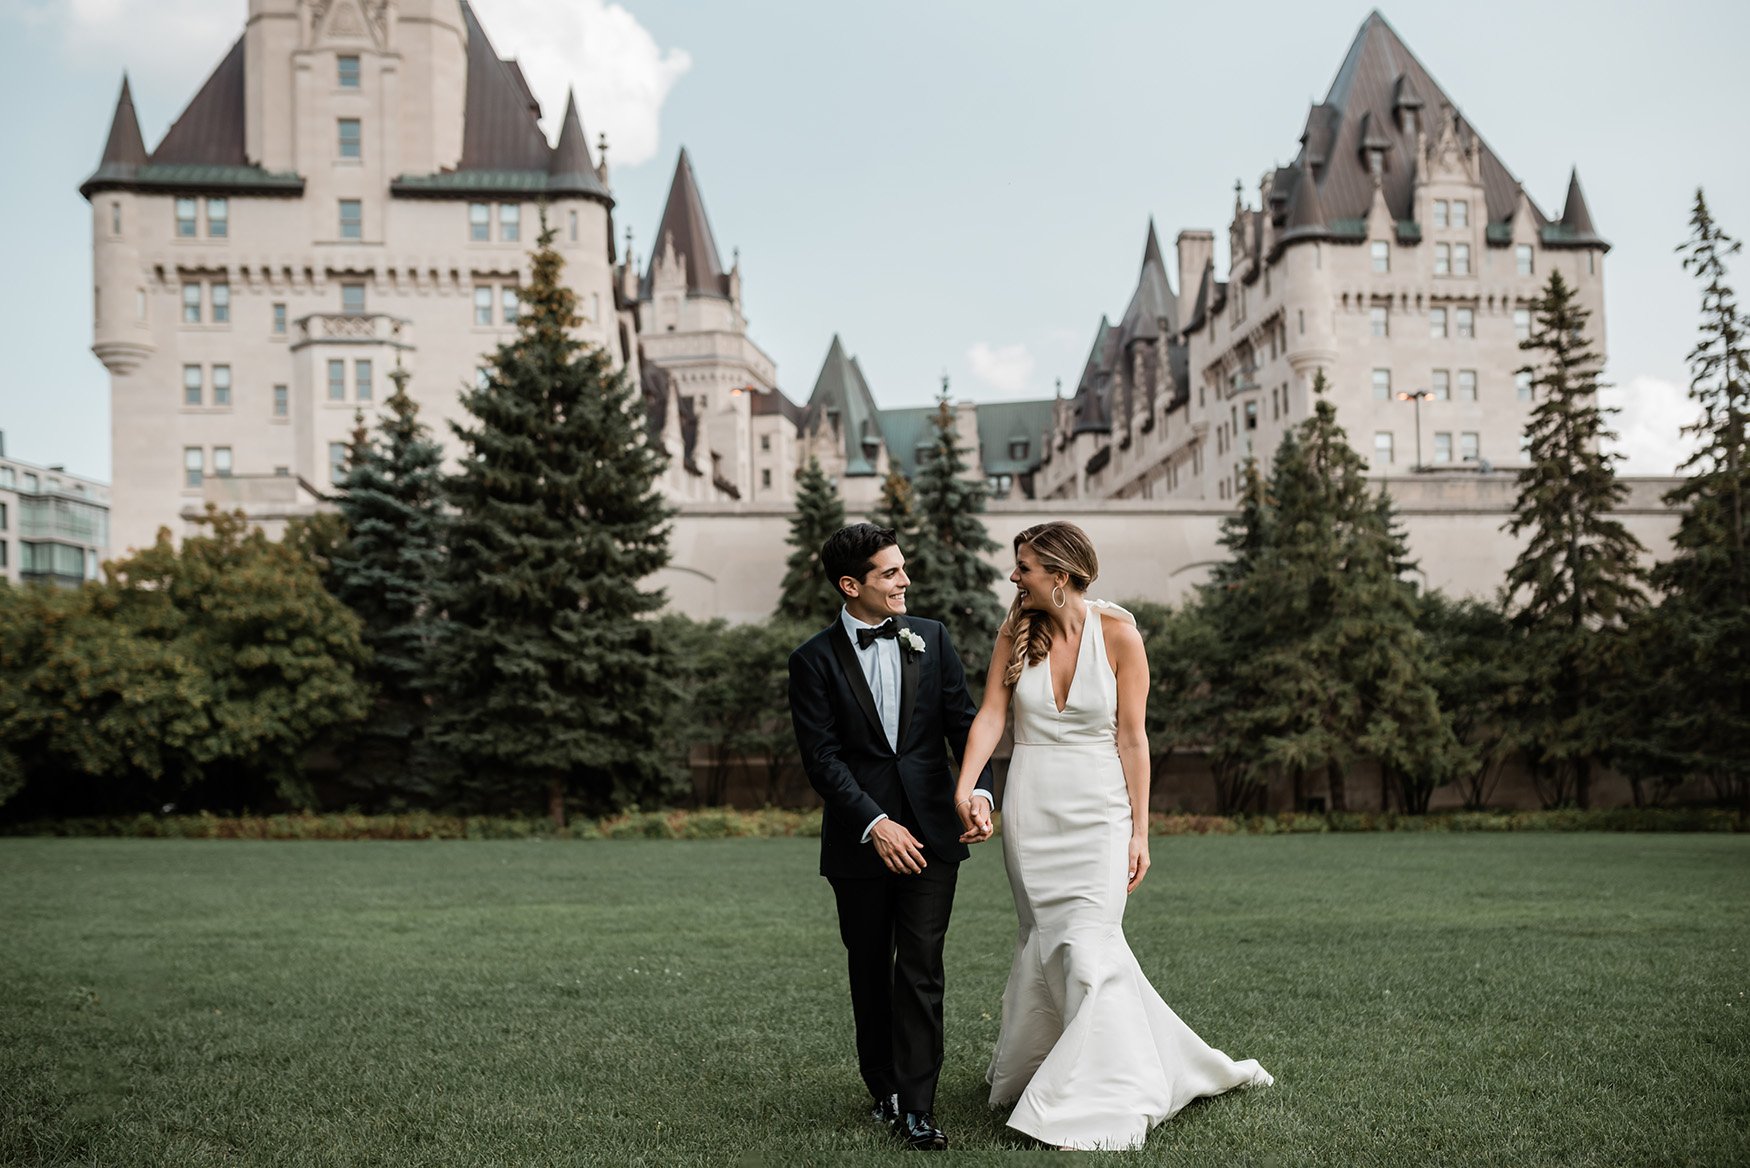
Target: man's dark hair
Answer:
[[850, 551]]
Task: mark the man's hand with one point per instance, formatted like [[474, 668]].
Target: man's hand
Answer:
[[975, 818], [898, 848]]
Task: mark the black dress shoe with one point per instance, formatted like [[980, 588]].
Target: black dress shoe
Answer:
[[885, 1110], [919, 1131]]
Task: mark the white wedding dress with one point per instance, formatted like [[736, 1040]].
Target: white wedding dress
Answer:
[[1089, 1050]]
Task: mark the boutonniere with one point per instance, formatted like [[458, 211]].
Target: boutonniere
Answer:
[[911, 641]]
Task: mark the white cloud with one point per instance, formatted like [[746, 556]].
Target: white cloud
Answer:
[[622, 76], [1007, 367], [1649, 427]]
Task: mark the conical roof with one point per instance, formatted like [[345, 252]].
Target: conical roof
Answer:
[[1153, 301], [209, 131], [1090, 409], [125, 150], [571, 172], [684, 222], [841, 390], [1576, 226]]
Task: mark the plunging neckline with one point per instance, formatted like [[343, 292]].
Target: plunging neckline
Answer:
[[1075, 669]]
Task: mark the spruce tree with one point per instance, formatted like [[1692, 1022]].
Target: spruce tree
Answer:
[[951, 580], [1579, 575], [1344, 673], [897, 509], [392, 500], [1693, 678], [807, 595], [552, 680]]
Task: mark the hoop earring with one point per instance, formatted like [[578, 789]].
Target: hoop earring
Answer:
[[1057, 596]]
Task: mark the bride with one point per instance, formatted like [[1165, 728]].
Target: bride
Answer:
[[1088, 1052]]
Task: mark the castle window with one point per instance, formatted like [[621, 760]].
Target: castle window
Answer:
[[1461, 259], [1437, 322], [191, 385], [1522, 259], [351, 138], [1251, 415], [337, 460], [194, 466], [352, 219], [1441, 385], [1379, 320], [1382, 385], [185, 218], [221, 295], [1381, 256], [765, 442], [479, 222], [221, 385], [1019, 449], [508, 300], [191, 303], [1468, 446], [115, 218], [1522, 323], [281, 402], [361, 379], [1465, 322], [483, 304], [1460, 213], [1522, 385], [1442, 446], [279, 320], [1467, 385], [352, 299], [337, 380], [573, 222], [222, 461], [218, 218], [1440, 216], [1443, 259], [765, 478], [348, 68], [510, 222], [1382, 448]]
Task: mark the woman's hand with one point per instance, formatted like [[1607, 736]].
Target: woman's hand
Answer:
[[1138, 862], [975, 818]]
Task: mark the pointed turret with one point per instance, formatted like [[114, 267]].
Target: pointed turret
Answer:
[[685, 225], [1153, 302], [125, 151], [1575, 228], [841, 397], [571, 172]]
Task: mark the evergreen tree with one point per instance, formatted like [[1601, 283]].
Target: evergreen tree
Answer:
[[1477, 668], [1693, 679], [807, 595], [1579, 575], [1344, 673], [897, 509], [951, 580], [391, 500], [552, 681]]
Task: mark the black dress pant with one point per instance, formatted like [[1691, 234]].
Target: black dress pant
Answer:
[[893, 927]]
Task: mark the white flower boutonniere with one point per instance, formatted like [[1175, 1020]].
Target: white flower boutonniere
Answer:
[[911, 641]]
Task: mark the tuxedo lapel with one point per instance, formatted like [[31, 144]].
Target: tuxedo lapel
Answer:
[[853, 671], [910, 667]]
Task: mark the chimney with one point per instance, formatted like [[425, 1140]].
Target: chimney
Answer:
[[1195, 250]]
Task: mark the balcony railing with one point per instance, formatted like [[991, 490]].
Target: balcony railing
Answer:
[[369, 328]]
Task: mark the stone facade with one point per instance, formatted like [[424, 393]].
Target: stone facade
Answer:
[[1396, 255], [54, 526]]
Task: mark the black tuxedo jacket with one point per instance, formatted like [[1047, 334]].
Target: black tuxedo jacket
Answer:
[[846, 755]]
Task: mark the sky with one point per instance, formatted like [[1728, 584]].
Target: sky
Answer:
[[956, 189]]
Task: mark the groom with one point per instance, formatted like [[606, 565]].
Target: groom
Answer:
[[876, 699]]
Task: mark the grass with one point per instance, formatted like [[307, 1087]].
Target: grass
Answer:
[[1450, 999]]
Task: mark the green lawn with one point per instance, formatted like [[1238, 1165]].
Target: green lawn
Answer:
[[1428, 999]]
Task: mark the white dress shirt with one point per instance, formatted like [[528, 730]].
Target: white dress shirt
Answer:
[[880, 662]]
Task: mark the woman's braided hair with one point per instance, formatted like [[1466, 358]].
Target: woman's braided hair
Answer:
[[1059, 547]]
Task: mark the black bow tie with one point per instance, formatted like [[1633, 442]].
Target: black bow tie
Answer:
[[887, 628]]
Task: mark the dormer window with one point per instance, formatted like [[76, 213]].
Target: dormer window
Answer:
[[1018, 449]]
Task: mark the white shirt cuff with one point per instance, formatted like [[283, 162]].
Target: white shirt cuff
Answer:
[[870, 830], [981, 793]]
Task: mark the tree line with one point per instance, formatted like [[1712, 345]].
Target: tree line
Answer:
[[485, 639]]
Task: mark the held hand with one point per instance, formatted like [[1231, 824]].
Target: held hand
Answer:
[[1138, 862], [898, 848], [975, 818]]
